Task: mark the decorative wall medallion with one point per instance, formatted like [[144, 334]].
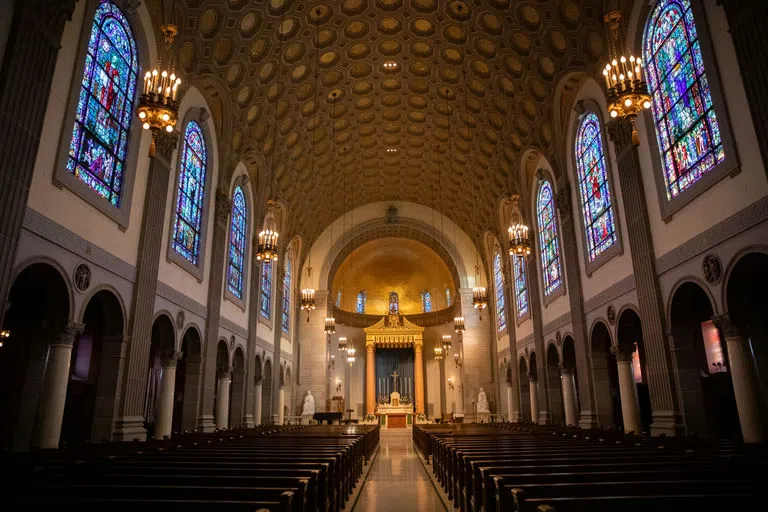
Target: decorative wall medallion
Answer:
[[180, 319], [82, 277], [712, 268], [611, 314]]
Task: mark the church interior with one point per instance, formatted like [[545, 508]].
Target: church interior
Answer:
[[333, 255]]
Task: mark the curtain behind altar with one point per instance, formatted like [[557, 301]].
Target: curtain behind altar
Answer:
[[387, 361]]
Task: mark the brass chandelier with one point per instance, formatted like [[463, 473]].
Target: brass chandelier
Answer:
[[158, 107], [519, 242]]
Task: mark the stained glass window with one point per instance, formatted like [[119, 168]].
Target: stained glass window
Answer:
[[188, 221], [426, 301], [237, 234], [521, 287], [266, 289], [360, 306], [498, 286], [549, 244], [105, 105], [448, 296], [593, 186], [287, 297], [686, 124], [338, 298], [394, 303]]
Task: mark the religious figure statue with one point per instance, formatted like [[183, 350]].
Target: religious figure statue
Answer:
[[393, 319], [309, 404], [482, 402]]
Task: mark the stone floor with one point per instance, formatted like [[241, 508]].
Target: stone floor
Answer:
[[397, 481]]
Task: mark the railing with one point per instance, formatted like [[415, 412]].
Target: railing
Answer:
[[440, 317]]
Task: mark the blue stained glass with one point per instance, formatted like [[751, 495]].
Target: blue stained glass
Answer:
[[498, 285], [360, 306], [521, 287], [448, 296], [188, 220], [286, 317], [105, 104], [266, 289], [686, 124], [593, 186], [238, 229], [426, 301], [549, 244]]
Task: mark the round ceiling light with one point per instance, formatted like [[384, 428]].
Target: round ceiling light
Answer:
[[390, 65]]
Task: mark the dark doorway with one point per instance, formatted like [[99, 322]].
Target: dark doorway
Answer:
[[525, 391], [553, 383], [630, 333], [187, 386], [163, 341], [606, 379]]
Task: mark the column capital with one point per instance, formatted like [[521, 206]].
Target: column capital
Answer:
[[224, 370], [620, 133], [164, 144], [565, 371], [418, 348], [727, 326], [68, 334], [223, 207], [563, 200], [623, 352], [169, 357], [370, 347]]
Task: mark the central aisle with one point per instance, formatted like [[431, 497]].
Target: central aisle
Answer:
[[397, 481]]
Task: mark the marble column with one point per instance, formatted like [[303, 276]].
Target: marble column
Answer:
[[281, 406], [746, 381], [418, 377], [661, 382], [630, 405], [542, 398], [53, 395], [512, 404], [130, 421], [277, 311], [570, 402], [370, 378], [257, 402], [222, 397], [28, 63], [533, 389], [164, 423], [191, 403], [222, 210]]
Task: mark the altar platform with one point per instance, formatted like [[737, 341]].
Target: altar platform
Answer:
[[394, 414]]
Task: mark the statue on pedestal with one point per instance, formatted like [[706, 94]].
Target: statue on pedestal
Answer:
[[482, 402], [309, 404]]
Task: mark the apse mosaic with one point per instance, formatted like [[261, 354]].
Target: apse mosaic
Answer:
[[548, 239], [266, 289], [237, 234], [498, 285], [191, 194], [105, 105], [686, 125], [286, 316], [521, 287], [593, 186]]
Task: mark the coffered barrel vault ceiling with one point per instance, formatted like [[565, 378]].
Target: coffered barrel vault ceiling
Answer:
[[516, 52]]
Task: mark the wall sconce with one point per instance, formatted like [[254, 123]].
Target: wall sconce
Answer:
[[332, 362], [457, 360], [351, 356], [450, 383], [338, 385], [4, 335]]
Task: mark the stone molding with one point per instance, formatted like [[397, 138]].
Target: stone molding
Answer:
[[178, 298]]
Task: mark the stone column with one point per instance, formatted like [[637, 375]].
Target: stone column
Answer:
[[108, 387], [512, 404], [533, 389], [661, 384], [570, 403], [542, 399], [257, 402], [130, 422], [53, 395], [746, 382], [281, 406], [189, 414], [630, 405], [418, 377], [222, 397], [25, 85], [277, 311], [370, 378], [222, 210], [164, 423]]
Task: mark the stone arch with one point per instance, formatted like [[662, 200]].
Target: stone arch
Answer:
[[266, 397], [162, 345], [629, 337], [187, 386], [237, 391], [525, 394], [606, 377], [557, 413]]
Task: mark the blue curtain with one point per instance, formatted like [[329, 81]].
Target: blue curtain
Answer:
[[387, 361]]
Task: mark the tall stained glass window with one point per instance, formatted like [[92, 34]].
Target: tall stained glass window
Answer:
[[426, 301], [593, 186], [188, 222], [394, 303], [686, 124], [99, 142], [237, 233], [338, 298], [521, 287], [498, 286], [360, 306], [266, 289], [549, 245], [448, 296], [286, 318]]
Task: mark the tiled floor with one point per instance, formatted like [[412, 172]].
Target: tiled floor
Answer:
[[397, 481]]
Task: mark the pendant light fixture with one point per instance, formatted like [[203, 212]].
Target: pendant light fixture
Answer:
[[519, 242], [158, 107]]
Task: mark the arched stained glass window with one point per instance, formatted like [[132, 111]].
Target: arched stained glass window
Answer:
[[448, 296], [521, 287], [99, 142], [549, 245], [498, 286], [394, 303], [238, 230], [188, 222], [286, 318], [426, 302], [266, 289], [338, 298], [686, 124], [593, 186], [360, 306]]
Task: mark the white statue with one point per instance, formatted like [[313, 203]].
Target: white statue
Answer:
[[482, 402], [309, 404]]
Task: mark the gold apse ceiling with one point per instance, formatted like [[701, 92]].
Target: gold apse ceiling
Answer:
[[515, 54]]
